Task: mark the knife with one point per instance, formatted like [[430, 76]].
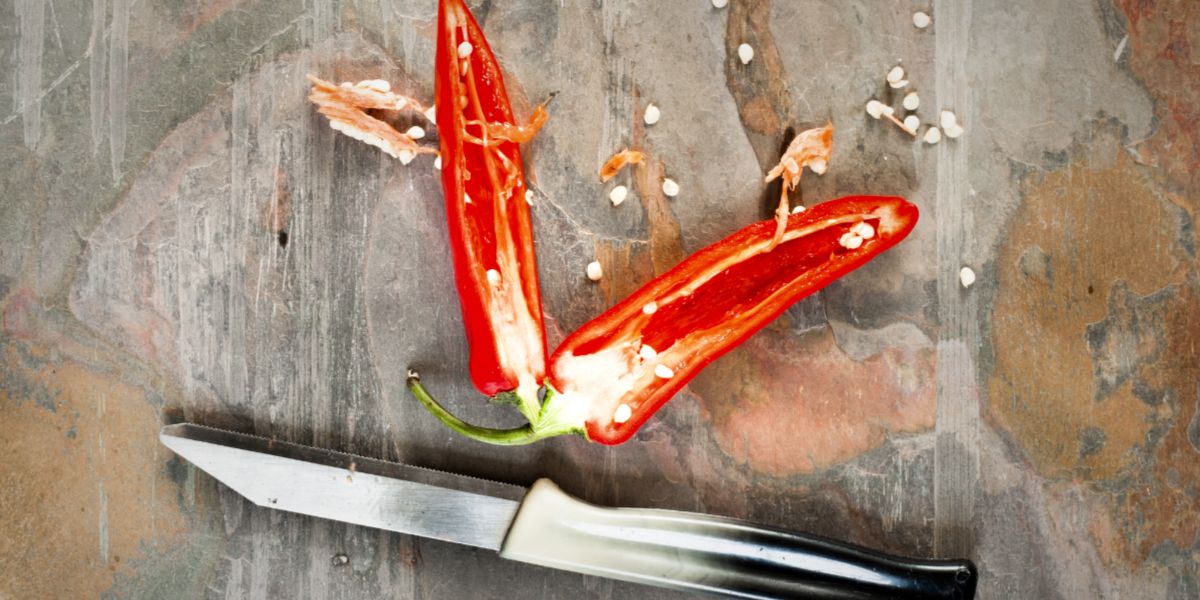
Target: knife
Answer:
[[544, 526]]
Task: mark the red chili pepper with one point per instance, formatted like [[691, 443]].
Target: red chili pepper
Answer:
[[643, 350], [611, 375], [490, 230]]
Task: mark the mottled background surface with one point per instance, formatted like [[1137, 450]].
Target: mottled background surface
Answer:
[[182, 237]]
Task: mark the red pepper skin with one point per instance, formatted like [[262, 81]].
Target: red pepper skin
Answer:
[[736, 288], [490, 229]]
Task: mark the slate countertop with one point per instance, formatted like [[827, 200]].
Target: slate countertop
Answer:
[[183, 238]]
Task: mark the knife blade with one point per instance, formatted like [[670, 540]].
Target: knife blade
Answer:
[[544, 526]]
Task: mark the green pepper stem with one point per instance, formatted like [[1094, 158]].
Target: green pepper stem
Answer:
[[517, 436], [529, 406]]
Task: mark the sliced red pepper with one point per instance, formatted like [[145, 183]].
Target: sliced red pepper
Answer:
[[625, 364], [490, 230], [610, 376]]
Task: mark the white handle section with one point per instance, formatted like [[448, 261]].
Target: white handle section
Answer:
[[704, 553]]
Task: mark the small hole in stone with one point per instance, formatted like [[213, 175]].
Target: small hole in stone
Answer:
[[283, 239], [1091, 290]]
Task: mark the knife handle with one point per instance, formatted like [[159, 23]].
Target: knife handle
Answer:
[[704, 553]]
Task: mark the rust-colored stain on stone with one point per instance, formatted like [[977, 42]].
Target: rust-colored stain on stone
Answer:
[[85, 486], [1163, 504], [1164, 53], [665, 237], [1067, 251], [666, 243], [760, 88], [626, 268], [1096, 368], [788, 406], [759, 115]]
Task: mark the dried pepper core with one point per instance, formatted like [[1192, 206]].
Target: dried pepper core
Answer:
[[346, 107], [618, 161], [811, 148]]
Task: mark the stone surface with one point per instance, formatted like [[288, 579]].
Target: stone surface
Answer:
[[183, 238]]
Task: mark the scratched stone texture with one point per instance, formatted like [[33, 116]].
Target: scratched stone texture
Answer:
[[182, 238]]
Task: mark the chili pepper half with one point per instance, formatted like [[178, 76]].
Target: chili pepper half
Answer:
[[490, 230], [611, 375]]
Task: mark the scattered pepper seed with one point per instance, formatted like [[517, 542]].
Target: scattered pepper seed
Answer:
[[799, 208], [415, 132], [594, 272], [949, 122], [406, 156], [863, 230], [663, 372], [647, 353], [912, 122], [720, 3], [895, 77], [493, 277], [528, 196], [650, 308], [966, 277], [933, 135], [947, 119], [876, 108], [431, 114], [465, 49], [670, 188], [622, 413], [921, 20], [618, 194], [745, 53], [912, 101], [652, 114], [437, 162]]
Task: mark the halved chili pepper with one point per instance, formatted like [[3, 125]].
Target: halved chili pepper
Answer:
[[490, 230], [610, 376]]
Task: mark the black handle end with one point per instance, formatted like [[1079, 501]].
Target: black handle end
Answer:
[[966, 578]]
